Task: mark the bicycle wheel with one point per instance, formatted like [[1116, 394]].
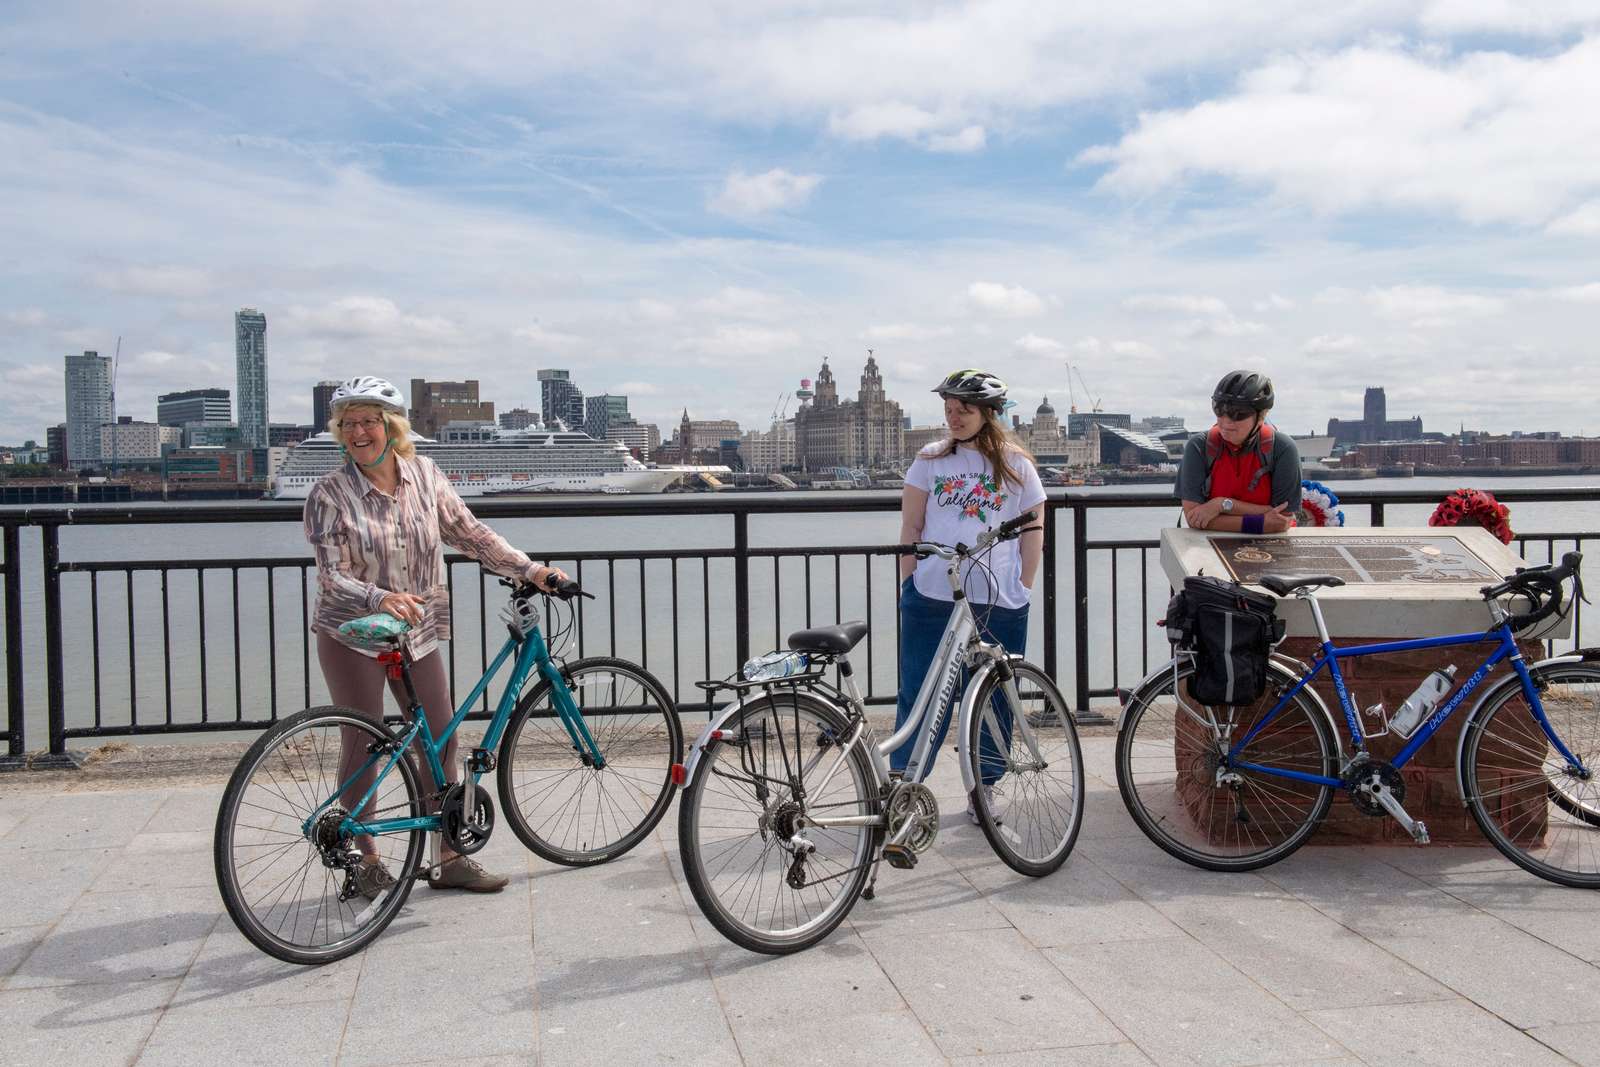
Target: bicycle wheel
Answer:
[[277, 835], [1170, 772], [1521, 791], [558, 803], [1032, 809], [765, 875]]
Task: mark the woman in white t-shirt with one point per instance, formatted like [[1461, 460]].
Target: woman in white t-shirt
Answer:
[[957, 488]]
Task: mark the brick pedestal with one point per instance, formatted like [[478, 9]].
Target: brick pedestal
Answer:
[[1430, 777]]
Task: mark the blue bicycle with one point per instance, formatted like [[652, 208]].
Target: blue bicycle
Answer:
[[1235, 788], [584, 768]]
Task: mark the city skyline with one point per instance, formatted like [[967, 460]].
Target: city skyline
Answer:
[[684, 205]]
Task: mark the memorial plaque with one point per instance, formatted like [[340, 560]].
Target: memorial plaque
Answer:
[[1357, 559]]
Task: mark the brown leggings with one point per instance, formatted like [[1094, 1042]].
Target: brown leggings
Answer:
[[356, 681]]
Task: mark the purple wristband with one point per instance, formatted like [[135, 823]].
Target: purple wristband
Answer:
[[1253, 524]]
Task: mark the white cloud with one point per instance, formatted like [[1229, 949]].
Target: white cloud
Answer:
[[1584, 222], [654, 310], [1035, 345], [637, 388], [1274, 302], [969, 139], [1583, 294], [1329, 344], [890, 119], [1001, 299], [374, 317], [181, 282], [740, 302], [1428, 306], [741, 341], [1489, 136], [1201, 316], [748, 195], [905, 331], [542, 336], [29, 317]]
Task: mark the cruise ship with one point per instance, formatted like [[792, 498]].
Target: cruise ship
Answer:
[[482, 459]]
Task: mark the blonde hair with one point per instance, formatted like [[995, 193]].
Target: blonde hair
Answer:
[[396, 427], [996, 444]]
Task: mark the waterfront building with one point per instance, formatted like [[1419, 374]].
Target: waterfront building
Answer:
[[641, 439], [1078, 422], [56, 440], [89, 406], [1159, 425], [916, 438], [321, 403], [210, 407], [702, 441], [210, 464], [434, 405], [765, 451], [1047, 439], [599, 412], [559, 398], [868, 432], [127, 441], [518, 419], [210, 435], [287, 434], [1124, 447], [250, 360], [1374, 424]]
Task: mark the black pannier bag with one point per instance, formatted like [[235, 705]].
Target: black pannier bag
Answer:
[[1231, 631]]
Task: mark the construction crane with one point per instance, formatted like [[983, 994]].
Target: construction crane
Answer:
[[780, 408], [1072, 396]]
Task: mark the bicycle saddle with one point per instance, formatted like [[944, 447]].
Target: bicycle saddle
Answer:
[[1284, 584], [840, 638]]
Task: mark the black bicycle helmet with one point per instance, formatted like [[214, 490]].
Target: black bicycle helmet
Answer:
[[1244, 389], [972, 386]]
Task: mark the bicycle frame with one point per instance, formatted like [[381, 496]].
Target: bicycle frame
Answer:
[[532, 654], [1329, 656]]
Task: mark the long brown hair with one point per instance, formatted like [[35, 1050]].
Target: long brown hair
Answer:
[[996, 444]]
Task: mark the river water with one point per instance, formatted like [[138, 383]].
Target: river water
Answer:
[[700, 644]]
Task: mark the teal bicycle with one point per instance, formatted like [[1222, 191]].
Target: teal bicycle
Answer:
[[584, 768]]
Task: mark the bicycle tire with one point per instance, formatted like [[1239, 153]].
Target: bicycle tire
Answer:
[[557, 803], [1166, 773], [1519, 790], [1030, 820], [729, 836], [259, 842]]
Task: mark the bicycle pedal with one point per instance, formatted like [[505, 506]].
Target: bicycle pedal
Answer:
[[900, 857]]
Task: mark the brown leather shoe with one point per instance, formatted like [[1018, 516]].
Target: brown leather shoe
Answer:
[[464, 873], [372, 879]]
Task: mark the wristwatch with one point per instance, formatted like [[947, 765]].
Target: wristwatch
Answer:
[[1227, 504]]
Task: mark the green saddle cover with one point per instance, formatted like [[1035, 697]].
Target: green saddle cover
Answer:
[[380, 630]]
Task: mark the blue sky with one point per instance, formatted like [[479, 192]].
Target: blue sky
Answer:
[[696, 203]]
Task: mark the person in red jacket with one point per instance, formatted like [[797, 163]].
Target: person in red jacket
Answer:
[[1240, 476]]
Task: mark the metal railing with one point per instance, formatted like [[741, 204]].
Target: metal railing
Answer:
[[1092, 588]]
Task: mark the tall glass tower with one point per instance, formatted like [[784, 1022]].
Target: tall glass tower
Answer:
[[250, 351], [89, 407]]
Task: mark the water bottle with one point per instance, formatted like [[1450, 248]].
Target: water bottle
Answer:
[[779, 664], [1423, 701]]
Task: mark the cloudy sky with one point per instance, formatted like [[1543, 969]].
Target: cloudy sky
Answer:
[[694, 203]]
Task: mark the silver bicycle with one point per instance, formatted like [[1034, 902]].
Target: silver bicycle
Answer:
[[788, 803]]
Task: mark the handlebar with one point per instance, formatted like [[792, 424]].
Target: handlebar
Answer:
[[1541, 587], [563, 590], [1006, 531]]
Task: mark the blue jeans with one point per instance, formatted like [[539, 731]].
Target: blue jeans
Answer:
[[922, 623]]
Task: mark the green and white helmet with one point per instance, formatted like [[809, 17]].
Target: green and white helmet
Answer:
[[973, 386]]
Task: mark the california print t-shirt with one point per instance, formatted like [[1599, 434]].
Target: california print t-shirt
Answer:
[[965, 498]]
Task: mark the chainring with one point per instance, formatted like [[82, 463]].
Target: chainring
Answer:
[[467, 838], [915, 802], [1369, 772]]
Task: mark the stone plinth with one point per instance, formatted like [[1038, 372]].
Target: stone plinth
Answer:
[[1401, 583]]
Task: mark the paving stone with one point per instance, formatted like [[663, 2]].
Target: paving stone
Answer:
[[933, 897], [268, 1035], [230, 972], [1513, 974], [16, 943], [189, 809], [156, 861], [40, 887], [1447, 1034], [84, 821], [1124, 1054], [631, 905], [93, 1024], [1300, 955], [1183, 1004], [477, 995], [655, 1008], [840, 973], [1579, 1042], [868, 1039], [122, 937], [1078, 904], [986, 991], [1361, 889], [1532, 904]]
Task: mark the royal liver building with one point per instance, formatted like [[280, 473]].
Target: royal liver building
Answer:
[[867, 432]]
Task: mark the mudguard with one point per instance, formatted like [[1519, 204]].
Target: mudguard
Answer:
[[719, 720], [1512, 680]]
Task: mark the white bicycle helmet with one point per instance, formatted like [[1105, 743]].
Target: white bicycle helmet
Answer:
[[972, 386], [368, 389]]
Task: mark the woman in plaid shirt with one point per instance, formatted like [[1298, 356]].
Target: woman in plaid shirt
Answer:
[[377, 525]]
